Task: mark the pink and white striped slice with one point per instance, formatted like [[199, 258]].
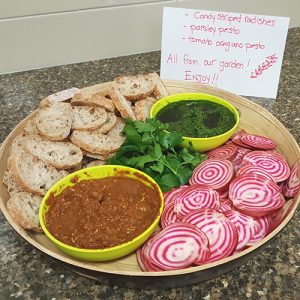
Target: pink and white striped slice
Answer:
[[258, 142], [194, 197], [171, 195], [255, 195], [221, 232], [261, 229], [227, 151], [248, 169], [178, 246], [272, 162], [214, 172], [291, 187], [168, 215], [245, 226]]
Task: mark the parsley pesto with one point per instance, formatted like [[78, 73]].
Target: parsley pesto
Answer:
[[198, 119]]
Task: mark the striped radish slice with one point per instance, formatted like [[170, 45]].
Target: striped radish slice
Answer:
[[237, 161], [214, 172], [281, 215], [168, 215], [178, 246], [223, 207], [271, 162], [245, 226], [221, 232], [236, 139], [227, 201], [261, 228], [255, 195], [255, 170], [171, 195], [143, 262], [258, 142], [194, 197], [292, 186], [227, 151], [223, 195]]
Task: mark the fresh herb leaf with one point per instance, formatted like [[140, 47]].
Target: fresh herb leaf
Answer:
[[152, 149]]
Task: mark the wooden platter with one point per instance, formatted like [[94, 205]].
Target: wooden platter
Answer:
[[125, 271]]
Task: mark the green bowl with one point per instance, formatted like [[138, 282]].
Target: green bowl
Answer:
[[96, 173], [199, 144]]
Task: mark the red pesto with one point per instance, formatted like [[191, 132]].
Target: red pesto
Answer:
[[102, 213]]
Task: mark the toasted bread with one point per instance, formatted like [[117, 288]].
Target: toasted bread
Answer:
[[85, 117], [23, 207], [54, 121], [59, 96], [160, 91], [11, 183], [142, 108], [61, 155], [96, 142], [118, 128], [123, 106], [32, 174]]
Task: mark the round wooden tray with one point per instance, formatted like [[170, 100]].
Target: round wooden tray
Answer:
[[125, 271]]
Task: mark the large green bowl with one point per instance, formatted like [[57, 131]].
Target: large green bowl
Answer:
[[199, 144], [96, 173]]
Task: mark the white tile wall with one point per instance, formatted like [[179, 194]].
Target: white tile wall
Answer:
[[40, 33]]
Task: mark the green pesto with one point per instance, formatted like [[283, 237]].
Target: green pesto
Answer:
[[197, 119]]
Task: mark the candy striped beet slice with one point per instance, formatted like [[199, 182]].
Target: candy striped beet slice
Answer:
[[255, 195], [194, 197], [270, 161], [221, 232], [168, 215], [227, 151], [214, 172], [292, 186], [258, 142], [177, 246]]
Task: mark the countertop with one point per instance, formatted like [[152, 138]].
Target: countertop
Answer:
[[26, 273]]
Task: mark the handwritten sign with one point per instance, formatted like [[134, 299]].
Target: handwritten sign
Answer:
[[241, 53]]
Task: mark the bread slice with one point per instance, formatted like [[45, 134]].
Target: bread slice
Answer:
[[94, 163], [11, 183], [96, 99], [123, 106], [160, 91], [32, 174], [142, 108], [18, 143], [97, 156], [117, 130], [61, 155], [109, 125], [135, 88], [60, 96], [54, 121], [96, 142], [30, 126], [24, 207], [85, 117]]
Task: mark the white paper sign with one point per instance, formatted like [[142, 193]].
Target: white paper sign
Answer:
[[241, 53]]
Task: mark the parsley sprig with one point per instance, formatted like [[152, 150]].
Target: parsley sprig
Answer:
[[152, 149]]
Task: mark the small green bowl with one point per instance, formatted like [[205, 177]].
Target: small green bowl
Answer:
[[199, 144], [96, 173]]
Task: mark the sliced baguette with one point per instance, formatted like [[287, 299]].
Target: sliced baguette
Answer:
[[20, 140], [135, 87], [61, 155], [96, 99], [96, 142], [117, 130], [11, 183], [54, 121], [123, 106], [85, 117], [30, 126], [109, 125], [160, 91], [97, 156], [32, 174], [142, 108], [60, 96], [23, 207], [94, 163]]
